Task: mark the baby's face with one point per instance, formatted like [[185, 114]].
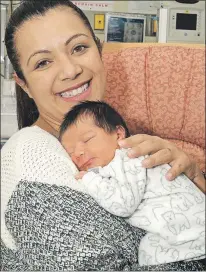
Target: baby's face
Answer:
[[88, 145]]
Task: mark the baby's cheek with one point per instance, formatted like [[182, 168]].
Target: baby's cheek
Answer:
[[75, 161]]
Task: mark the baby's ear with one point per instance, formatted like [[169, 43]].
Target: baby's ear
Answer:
[[121, 134]]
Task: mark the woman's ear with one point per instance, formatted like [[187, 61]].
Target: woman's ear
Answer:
[[22, 84], [120, 133]]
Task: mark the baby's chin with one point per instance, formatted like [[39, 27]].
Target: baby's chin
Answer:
[[92, 166]]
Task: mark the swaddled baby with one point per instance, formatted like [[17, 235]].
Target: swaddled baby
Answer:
[[172, 213]]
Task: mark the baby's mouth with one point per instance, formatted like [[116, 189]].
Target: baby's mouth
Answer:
[[85, 166], [75, 92]]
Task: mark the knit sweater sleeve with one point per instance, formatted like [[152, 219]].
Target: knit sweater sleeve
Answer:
[[40, 156], [32, 154], [57, 228]]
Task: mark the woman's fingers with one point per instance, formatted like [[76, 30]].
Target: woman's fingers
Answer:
[[143, 145], [160, 157], [176, 169], [162, 151], [192, 172], [183, 164], [179, 162], [200, 181], [132, 141]]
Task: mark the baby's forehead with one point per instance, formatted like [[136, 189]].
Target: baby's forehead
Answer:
[[83, 122], [85, 119], [82, 125]]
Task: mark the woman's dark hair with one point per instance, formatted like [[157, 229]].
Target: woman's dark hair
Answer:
[[104, 116], [27, 112]]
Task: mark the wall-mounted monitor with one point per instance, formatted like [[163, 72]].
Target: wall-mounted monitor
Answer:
[[186, 21], [186, 25]]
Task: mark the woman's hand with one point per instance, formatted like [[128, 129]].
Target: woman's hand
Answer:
[[162, 151]]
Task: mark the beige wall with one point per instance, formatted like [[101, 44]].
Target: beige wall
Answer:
[[119, 6]]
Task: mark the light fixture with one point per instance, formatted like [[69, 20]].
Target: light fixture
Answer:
[[187, 1]]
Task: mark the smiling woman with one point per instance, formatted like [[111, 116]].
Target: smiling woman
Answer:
[[62, 73], [46, 222]]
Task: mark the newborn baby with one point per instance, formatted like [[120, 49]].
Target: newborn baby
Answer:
[[172, 213]]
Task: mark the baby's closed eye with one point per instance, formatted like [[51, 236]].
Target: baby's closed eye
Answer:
[[86, 140]]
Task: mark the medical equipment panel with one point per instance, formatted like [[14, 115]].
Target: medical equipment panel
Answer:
[[186, 25]]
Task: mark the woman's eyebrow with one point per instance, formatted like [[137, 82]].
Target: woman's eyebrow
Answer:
[[37, 52], [66, 43], [74, 37]]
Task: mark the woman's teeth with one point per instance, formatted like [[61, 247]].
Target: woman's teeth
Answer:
[[75, 92]]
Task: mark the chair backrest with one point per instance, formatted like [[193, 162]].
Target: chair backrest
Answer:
[[160, 90]]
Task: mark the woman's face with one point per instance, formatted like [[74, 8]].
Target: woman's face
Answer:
[[60, 62]]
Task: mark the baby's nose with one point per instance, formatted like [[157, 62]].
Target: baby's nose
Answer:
[[79, 153], [77, 159]]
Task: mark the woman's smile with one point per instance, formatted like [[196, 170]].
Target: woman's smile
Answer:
[[77, 93]]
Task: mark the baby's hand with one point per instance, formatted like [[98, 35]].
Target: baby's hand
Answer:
[[80, 174]]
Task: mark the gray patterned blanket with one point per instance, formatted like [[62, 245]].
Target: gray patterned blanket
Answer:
[[56, 228]]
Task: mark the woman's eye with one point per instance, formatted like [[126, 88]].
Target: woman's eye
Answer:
[[79, 49], [42, 64]]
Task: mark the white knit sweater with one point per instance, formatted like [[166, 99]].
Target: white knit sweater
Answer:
[[34, 155]]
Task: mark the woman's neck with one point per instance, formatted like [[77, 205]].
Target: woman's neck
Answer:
[[47, 126]]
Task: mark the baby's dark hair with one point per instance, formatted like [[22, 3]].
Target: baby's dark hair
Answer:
[[104, 116]]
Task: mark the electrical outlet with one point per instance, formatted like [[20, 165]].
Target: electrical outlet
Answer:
[[99, 21]]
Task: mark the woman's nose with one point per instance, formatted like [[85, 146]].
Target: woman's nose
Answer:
[[69, 69]]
